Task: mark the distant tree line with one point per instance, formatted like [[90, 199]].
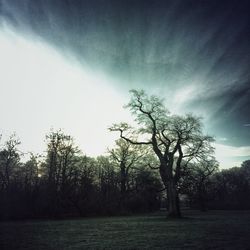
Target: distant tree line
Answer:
[[225, 189], [67, 183], [164, 157], [230, 188]]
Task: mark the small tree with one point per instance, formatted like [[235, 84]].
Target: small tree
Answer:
[[108, 185], [60, 162], [172, 138], [195, 180], [126, 155], [9, 161], [83, 191], [9, 180]]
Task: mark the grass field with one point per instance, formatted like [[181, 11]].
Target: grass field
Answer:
[[210, 230]]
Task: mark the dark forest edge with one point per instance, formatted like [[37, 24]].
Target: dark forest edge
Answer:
[[165, 162]]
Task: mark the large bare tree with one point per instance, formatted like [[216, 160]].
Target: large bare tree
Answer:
[[172, 138]]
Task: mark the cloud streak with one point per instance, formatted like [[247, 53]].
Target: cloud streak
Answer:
[[196, 54]]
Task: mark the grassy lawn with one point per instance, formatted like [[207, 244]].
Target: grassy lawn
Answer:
[[210, 230]]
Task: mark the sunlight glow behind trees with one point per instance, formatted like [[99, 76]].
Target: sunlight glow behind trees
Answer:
[[42, 89]]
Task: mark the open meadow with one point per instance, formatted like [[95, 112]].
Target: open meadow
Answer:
[[196, 230]]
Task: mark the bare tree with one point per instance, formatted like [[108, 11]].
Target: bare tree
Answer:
[[126, 155], [195, 180], [9, 160], [172, 138], [60, 162], [61, 152]]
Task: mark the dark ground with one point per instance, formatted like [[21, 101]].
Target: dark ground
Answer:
[[210, 230]]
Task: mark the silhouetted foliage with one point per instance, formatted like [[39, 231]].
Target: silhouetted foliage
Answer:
[[125, 156], [171, 138], [196, 181], [65, 183], [230, 188]]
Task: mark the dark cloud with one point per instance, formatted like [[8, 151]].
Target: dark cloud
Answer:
[[229, 113], [171, 44]]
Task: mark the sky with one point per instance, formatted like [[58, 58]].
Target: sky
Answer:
[[70, 64]]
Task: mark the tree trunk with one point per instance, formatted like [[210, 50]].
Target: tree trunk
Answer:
[[123, 188], [173, 200], [173, 207]]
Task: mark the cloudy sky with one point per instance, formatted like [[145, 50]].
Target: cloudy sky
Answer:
[[69, 64]]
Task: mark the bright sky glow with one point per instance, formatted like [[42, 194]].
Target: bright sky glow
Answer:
[[229, 156], [40, 90], [182, 96]]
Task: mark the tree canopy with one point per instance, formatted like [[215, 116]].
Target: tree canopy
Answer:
[[173, 139]]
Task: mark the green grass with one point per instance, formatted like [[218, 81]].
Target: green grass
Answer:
[[210, 230]]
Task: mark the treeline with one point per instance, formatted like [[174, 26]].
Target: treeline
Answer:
[[65, 182], [230, 188], [225, 189], [165, 156]]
